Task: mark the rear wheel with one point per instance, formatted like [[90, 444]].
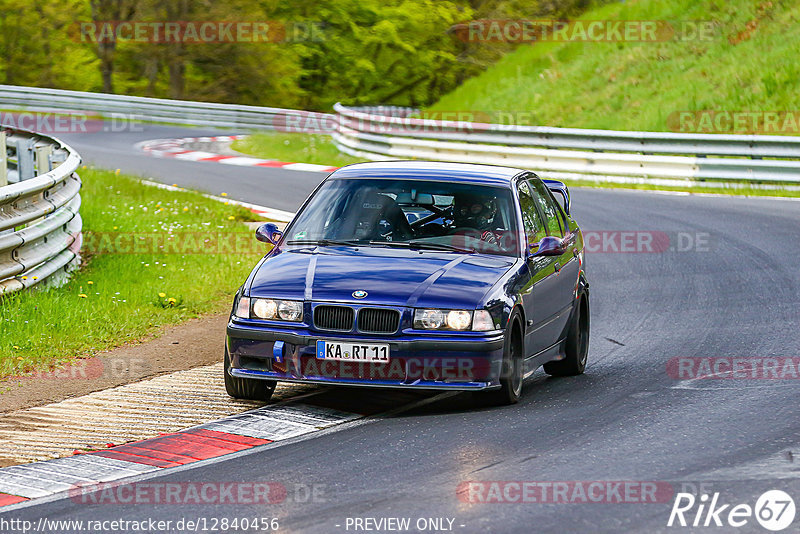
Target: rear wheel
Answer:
[[511, 374], [577, 345], [246, 388]]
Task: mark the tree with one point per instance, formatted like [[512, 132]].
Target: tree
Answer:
[[110, 11]]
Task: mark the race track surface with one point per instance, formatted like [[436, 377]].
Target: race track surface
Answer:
[[727, 289]]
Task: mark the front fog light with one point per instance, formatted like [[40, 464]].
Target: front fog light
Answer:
[[290, 310], [459, 319], [243, 308], [482, 322], [265, 308]]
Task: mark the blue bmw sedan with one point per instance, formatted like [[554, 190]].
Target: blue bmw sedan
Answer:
[[415, 275]]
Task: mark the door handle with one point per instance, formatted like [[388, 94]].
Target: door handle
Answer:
[[558, 267]]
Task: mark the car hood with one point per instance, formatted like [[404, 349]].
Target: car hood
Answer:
[[392, 277]]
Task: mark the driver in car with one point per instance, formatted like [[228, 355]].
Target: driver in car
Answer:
[[477, 213]]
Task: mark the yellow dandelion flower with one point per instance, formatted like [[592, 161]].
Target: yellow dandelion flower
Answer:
[[162, 295], [185, 209], [118, 171], [231, 217], [115, 228], [224, 194], [171, 300], [16, 346], [83, 296], [19, 358], [90, 282], [24, 277]]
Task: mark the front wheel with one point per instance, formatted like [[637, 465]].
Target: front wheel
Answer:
[[512, 372], [577, 344], [246, 388]]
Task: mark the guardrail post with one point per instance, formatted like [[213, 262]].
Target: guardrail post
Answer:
[[43, 162], [25, 164], [3, 160]]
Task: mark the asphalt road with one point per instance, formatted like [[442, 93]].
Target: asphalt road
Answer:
[[276, 188], [732, 293]]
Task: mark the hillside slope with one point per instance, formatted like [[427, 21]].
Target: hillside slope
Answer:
[[748, 62]]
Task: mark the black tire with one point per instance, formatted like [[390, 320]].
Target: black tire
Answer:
[[577, 344], [511, 374], [246, 388]]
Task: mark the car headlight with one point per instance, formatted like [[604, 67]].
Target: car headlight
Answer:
[[290, 310], [459, 319], [277, 310], [265, 308], [431, 319]]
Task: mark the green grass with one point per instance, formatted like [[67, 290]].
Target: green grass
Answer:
[[115, 297], [294, 148], [639, 86]]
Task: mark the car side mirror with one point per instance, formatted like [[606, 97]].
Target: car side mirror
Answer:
[[549, 246], [269, 233], [559, 188]]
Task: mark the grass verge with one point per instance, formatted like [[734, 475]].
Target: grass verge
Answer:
[[294, 148], [151, 258], [746, 62]]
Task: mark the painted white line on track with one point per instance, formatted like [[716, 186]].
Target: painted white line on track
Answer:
[[266, 212]]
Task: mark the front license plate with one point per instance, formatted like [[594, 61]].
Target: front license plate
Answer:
[[352, 352]]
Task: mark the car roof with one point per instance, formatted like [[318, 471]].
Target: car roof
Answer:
[[431, 170]]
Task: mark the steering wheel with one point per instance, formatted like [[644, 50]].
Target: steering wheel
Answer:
[[467, 232]]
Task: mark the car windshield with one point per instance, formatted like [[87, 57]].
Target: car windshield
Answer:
[[428, 215]]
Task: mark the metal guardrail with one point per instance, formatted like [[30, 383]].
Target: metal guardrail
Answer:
[[390, 133], [40, 227], [155, 109], [597, 155]]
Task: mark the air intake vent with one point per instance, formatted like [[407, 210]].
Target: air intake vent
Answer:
[[339, 318], [378, 321]]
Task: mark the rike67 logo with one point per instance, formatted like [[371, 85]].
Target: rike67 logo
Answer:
[[774, 510]]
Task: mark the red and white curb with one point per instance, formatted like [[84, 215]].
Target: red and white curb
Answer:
[[211, 440], [179, 149]]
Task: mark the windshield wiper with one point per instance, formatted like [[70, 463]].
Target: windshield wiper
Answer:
[[324, 242], [423, 245]]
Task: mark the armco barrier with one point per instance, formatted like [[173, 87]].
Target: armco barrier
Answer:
[[20, 98], [598, 155], [390, 133], [40, 227]]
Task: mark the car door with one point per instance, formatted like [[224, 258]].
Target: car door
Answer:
[[560, 293], [542, 279]]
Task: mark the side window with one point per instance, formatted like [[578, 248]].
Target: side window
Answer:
[[548, 207], [534, 228]]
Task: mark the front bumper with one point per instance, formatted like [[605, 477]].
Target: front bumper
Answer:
[[452, 361]]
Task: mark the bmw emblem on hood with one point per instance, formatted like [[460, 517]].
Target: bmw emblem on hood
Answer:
[[359, 294]]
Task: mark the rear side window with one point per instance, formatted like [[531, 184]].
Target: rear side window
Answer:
[[548, 206], [534, 228]]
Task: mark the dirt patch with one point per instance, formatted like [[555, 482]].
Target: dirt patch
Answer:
[[191, 344]]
